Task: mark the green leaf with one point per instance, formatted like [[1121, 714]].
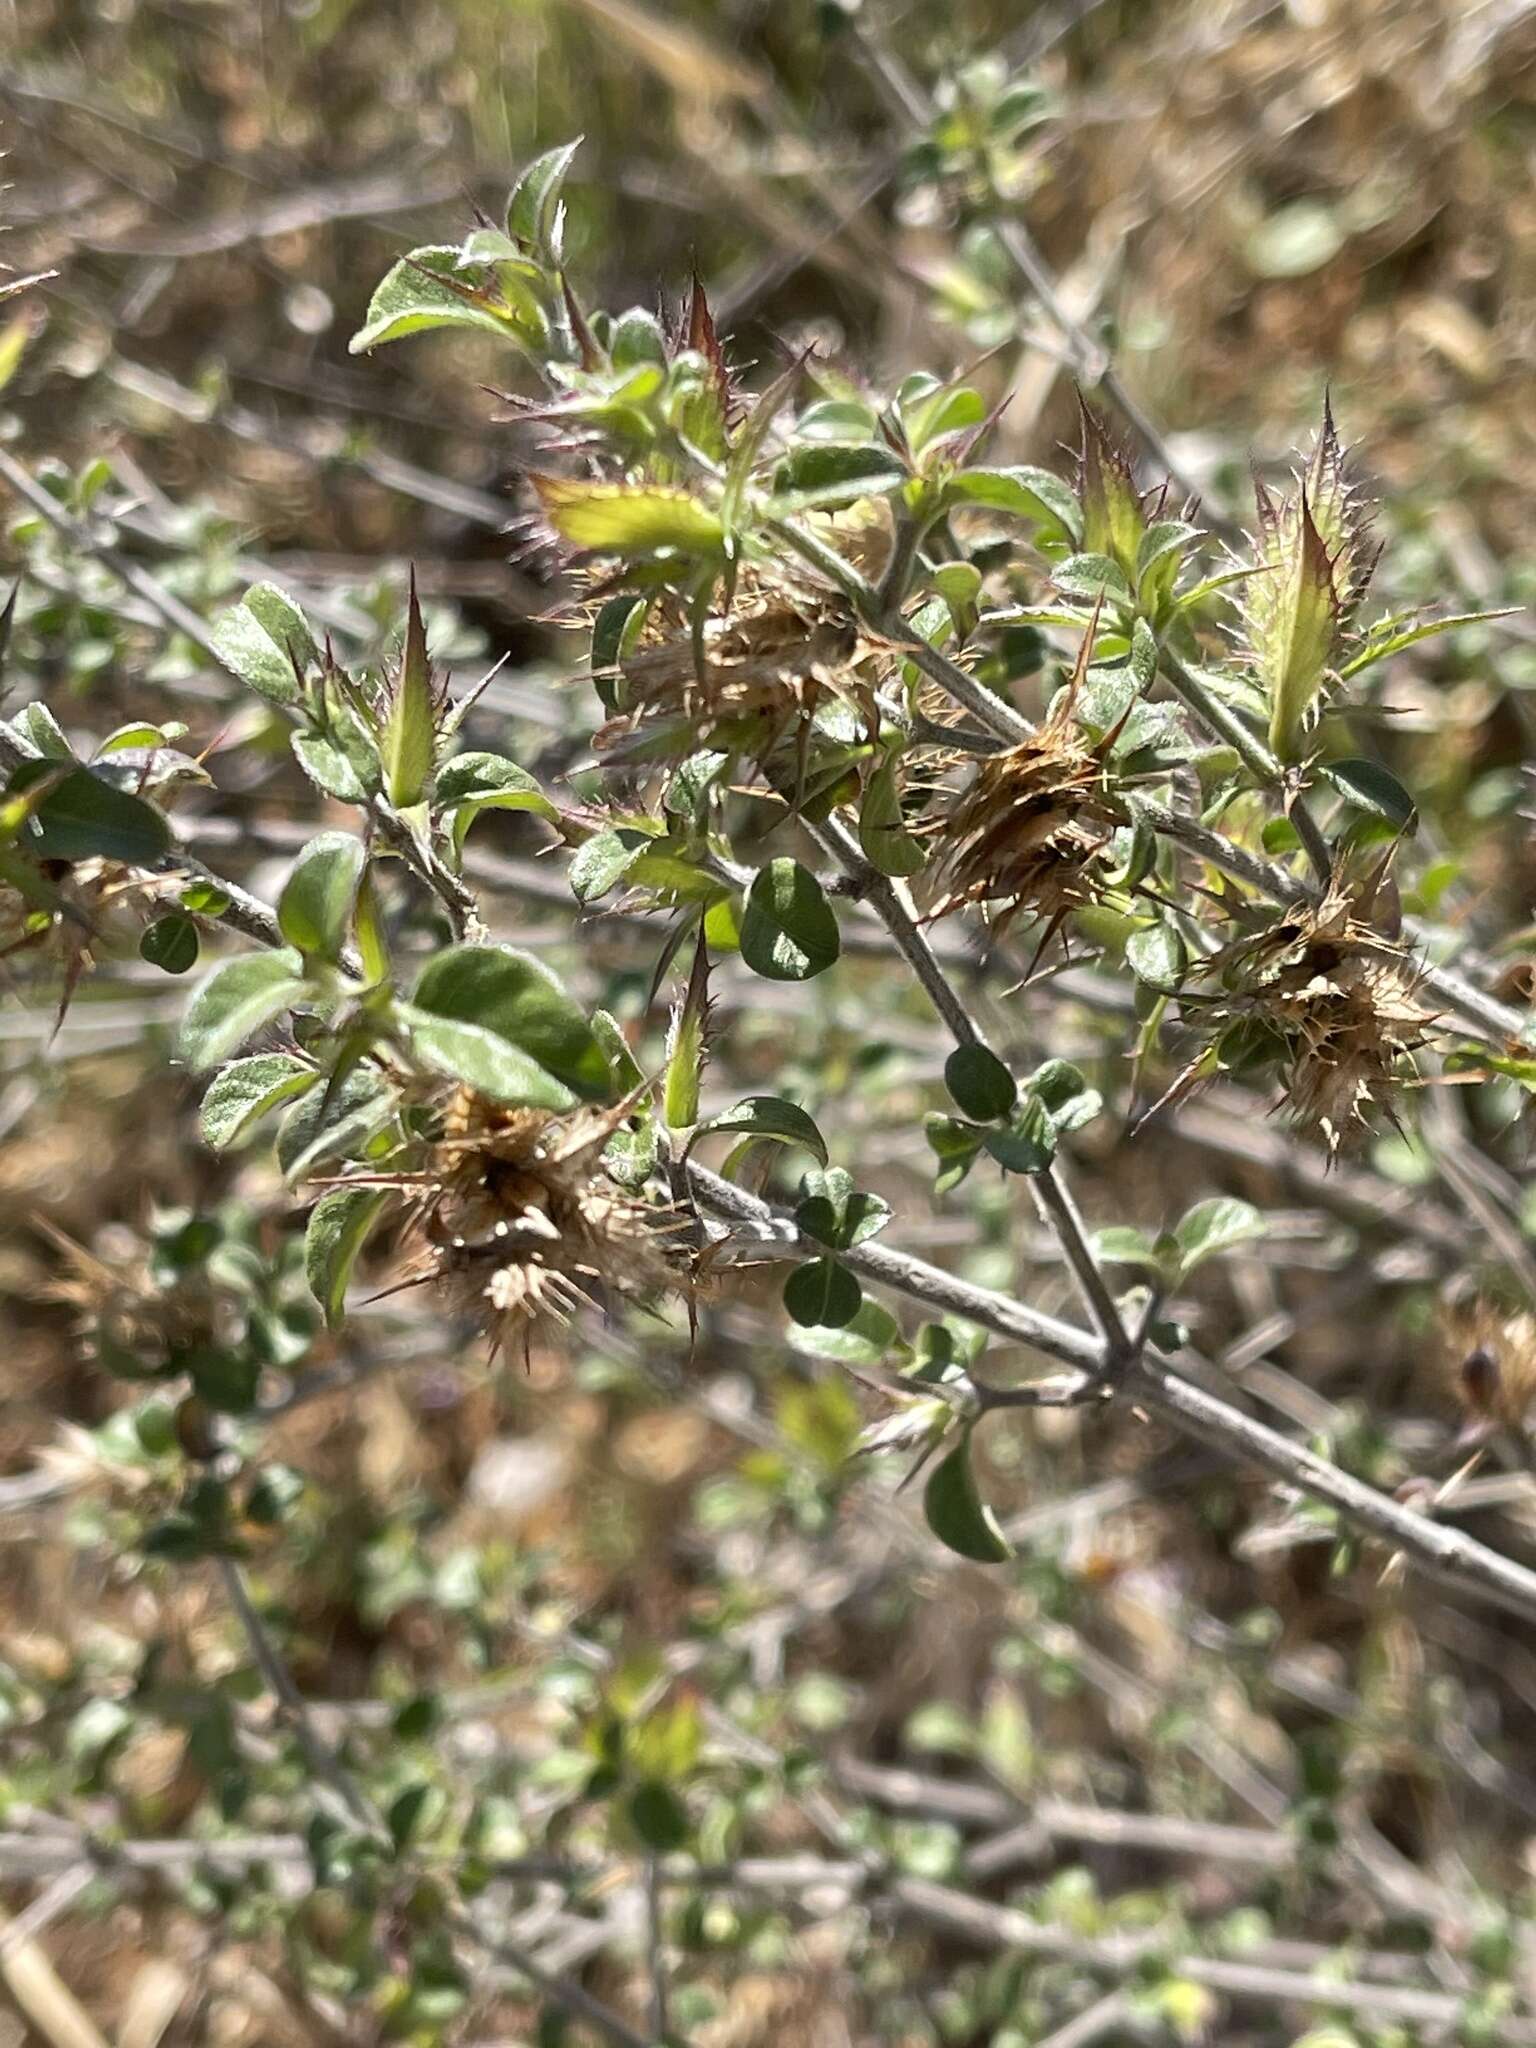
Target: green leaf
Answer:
[[621, 1061], [369, 932], [1293, 619], [80, 817], [430, 288], [631, 1155], [1120, 1244], [979, 1083], [1373, 788], [883, 834], [337, 1230], [685, 1049], [938, 414], [1157, 955], [637, 340], [1279, 835], [1391, 636], [328, 768], [1113, 518], [836, 419], [1028, 1144], [265, 640], [533, 209], [205, 899], [483, 1059], [822, 1294], [658, 1816], [472, 783], [171, 943], [1215, 1226], [406, 1811], [956, 1145], [1089, 577], [836, 1212], [820, 1419], [788, 931], [1159, 557], [35, 723], [315, 909], [1295, 241], [956, 1513], [235, 1001], [100, 1724], [140, 734], [615, 635], [410, 733], [770, 1117], [629, 519], [603, 861], [1028, 494], [1063, 1092], [869, 1338], [513, 996], [959, 584], [334, 1122], [226, 1380], [248, 1090], [828, 473]]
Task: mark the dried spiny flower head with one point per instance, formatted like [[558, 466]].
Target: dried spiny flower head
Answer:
[[521, 1222], [1335, 1003], [1027, 834], [72, 911], [1490, 1359], [125, 1310], [761, 665]]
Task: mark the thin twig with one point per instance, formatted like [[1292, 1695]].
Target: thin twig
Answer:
[[891, 903], [323, 1760], [1445, 1554]]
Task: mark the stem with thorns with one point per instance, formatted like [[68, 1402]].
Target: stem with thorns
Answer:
[[1442, 1553], [892, 904], [1009, 727]]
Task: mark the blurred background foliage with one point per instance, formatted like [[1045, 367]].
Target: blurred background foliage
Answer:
[[647, 1563]]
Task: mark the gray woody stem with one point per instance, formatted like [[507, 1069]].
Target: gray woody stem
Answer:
[[1445, 1554], [891, 903]]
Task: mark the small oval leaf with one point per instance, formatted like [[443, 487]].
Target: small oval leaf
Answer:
[[315, 908], [822, 1294], [171, 944], [979, 1083], [511, 996], [956, 1512], [788, 931], [767, 1116], [1157, 956], [246, 1091], [235, 1001], [81, 817]]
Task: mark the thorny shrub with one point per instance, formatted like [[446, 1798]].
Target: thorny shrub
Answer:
[[847, 675]]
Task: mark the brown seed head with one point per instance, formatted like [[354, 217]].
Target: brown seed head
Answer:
[[520, 1221], [1341, 1001], [1026, 835], [758, 667], [1490, 1360]]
